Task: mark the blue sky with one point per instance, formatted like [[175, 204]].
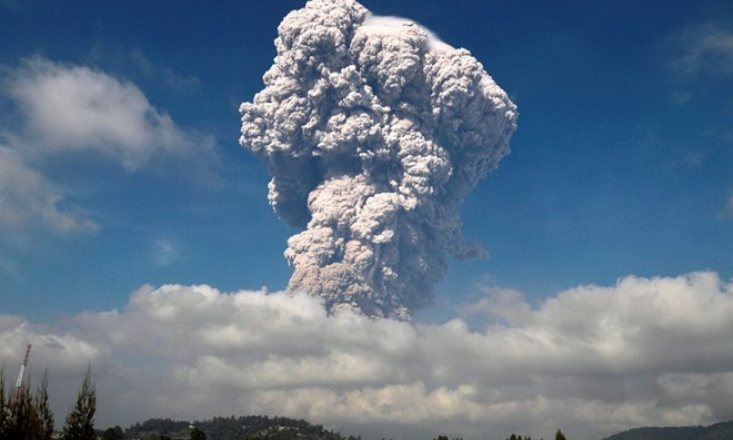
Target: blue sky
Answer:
[[621, 165]]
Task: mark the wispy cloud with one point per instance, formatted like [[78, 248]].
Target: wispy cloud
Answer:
[[135, 64], [9, 267], [169, 78], [165, 252], [727, 211], [591, 360], [704, 48], [27, 198], [694, 159]]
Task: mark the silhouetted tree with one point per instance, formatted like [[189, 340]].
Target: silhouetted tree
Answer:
[[43, 409], [3, 407], [80, 421], [559, 435], [197, 434], [113, 434], [21, 417]]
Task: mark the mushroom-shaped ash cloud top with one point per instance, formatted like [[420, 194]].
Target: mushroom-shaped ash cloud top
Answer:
[[374, 132]]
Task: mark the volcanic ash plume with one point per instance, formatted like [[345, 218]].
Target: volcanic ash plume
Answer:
[[374, 132]]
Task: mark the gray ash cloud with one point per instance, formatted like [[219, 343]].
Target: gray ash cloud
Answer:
[[374, 132]]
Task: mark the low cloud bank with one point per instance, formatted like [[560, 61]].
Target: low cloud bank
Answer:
[[591, 360]]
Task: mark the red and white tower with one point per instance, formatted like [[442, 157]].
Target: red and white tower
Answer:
[[19, 383]]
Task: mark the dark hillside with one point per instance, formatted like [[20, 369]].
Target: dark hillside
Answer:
[[234, 428], [719, 431]]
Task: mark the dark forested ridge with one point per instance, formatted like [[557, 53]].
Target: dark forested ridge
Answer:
[[283, 428], [719, 431], [234, 428]]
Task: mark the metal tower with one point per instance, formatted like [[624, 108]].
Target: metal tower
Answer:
[[19, 383]]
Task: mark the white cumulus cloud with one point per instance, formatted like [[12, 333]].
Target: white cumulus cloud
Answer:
[[56, 110], [69, 108], [592, 360]]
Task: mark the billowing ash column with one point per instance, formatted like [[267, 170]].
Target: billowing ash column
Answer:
[[374, 132]]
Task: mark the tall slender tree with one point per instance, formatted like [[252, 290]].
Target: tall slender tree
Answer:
[[43, 409], [80, 421], [3, 405]]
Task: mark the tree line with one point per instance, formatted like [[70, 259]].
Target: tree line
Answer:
[[558, 436], [27, 415], [245, 428]]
